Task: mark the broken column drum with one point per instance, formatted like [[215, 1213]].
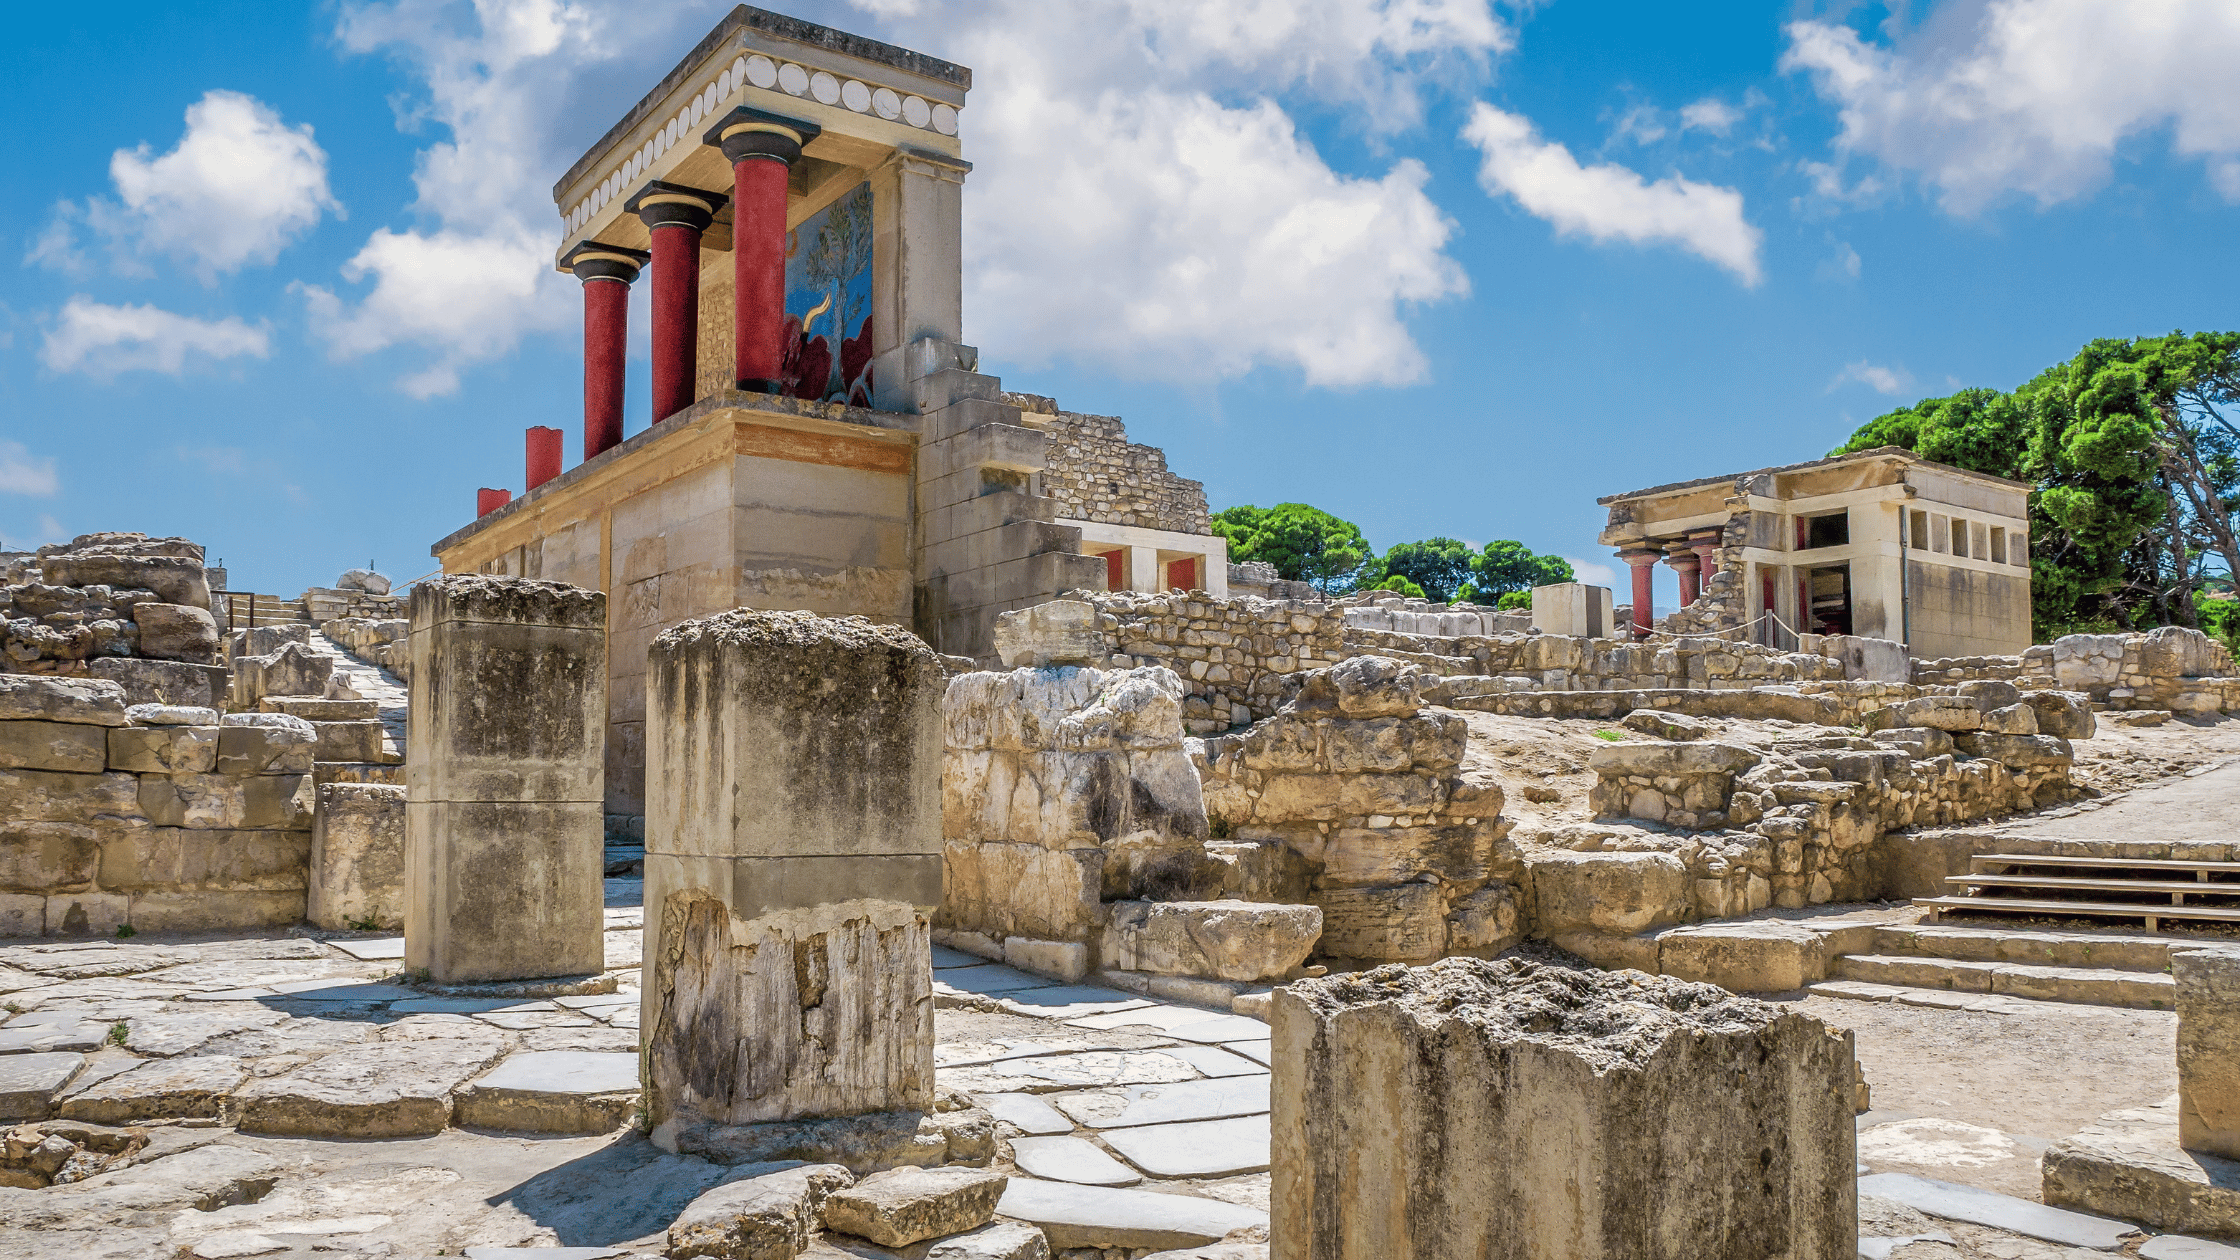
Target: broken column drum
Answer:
[[1514, 1110], [793, 858], [505, 784]]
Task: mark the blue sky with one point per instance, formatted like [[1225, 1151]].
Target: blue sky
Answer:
[[279, 277]]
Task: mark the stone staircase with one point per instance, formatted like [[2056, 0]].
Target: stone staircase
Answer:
[[392, 704], [242, 609], [1992, 963]]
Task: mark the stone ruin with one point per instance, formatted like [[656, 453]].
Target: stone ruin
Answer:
[[124, 607]]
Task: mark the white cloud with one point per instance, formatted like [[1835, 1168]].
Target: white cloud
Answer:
[[1710, 114], [1882, 380], [1609, 202], [1641, 124], [1592, 572], [239, 187], [1842, 265], [23, 473], [1141, 200], [104, 340], [2034, 97]]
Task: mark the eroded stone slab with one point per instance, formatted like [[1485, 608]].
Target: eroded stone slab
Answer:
[[907, 1205], [1024, 1112], [554, 1091], [393, 1089], [29, 1082], [160, 1089], [1167, 1104], [1068, 1071], [1207, 1148], [1217, 1061], [1072, 1160], [988, 979], [1070, 1001], [1101, 1216]]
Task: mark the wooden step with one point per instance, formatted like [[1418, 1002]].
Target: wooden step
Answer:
[[2177, 888], [1980, 860], [2091, 909]]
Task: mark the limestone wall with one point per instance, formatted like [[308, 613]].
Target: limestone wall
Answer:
[[1355, 799], [1062, 789], [1096, 474], [161, 818], [380, 641], [2173, 668]]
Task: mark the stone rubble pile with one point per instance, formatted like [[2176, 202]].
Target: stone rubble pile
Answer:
[[125, 607], [2171, 668]]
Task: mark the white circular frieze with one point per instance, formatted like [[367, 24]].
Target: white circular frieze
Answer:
[[723, 85], [824, 87], [792, 79], [761, 71], [945, 119], [915, 111], [886, 103], [855, 95]]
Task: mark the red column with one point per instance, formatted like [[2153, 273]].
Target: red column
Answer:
[[1705, 543], [1644, 599], [762, 149], [1684, 563], [675, 215], [606, 272], [544, 455], [487, 500], [1115, 572]]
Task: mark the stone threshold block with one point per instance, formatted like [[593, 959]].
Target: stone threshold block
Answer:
[[1514, 1110], [2128, 1164]]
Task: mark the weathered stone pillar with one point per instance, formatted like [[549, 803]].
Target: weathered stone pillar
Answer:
[[762, 148], [1644, 589], [606, 272], [1517, 1111], [675, 215], [543, 452], [2208, 982], [505, 784], [1683, 560], [793, 858]]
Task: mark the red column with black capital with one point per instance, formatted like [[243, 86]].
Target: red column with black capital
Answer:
[[675, 215], [606, 272], [762, 148]]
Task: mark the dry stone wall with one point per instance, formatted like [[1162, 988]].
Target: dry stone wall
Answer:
[[2172, 668], [1355, 799], [157, 817], [1096, 474], [125, 607]]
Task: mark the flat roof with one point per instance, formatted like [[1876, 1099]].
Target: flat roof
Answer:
[[1878, 452], [747, 17]]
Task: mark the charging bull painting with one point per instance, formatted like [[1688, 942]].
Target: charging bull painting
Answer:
[[828, 302]]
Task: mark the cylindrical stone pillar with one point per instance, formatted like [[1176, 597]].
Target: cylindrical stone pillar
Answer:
[[487, 500], [1644, 597], [762, 149], [606, 272], [543, 454], [675, 215]]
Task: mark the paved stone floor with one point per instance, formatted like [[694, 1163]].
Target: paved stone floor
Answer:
[[220, 1097]]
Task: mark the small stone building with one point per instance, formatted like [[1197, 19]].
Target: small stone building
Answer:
[[822, 438], [1879, 544]]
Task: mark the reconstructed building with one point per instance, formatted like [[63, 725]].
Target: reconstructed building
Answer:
[[821, 439], [1881, 544]]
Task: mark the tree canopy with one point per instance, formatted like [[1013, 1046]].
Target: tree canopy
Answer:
[[2135, 460], [1304, 543], [1507, 566], [1439, 567]]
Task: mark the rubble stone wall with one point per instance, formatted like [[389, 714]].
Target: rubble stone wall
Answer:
[[381, 641], [126, 607], [161, 818], [1096, 474], [2173, 668]]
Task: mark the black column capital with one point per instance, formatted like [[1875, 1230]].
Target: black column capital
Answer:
[[597, 260], [755, 133], [661, 204]]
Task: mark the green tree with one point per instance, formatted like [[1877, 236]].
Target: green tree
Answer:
[[1304, 543], [1399, 582], [1439, 566], [2136, 465], [1506, 566]]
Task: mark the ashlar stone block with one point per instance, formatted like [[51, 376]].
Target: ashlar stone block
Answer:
[[505, 788], [793, 856], [1518, 1111], [2208, 1000], [357, 856]]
